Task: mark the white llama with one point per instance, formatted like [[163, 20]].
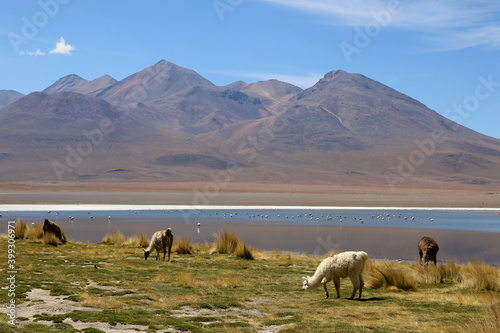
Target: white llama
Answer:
[[341, 265]]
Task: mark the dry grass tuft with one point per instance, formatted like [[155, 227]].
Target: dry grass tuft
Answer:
[[20, 229], [50, 239], [428, 274], [34, 232], [479, 276], [450, 272], [226, 242], [116, 238], [94, 301], [183, 246], [205, 247], [162, 278], [243, 252], [137, 241], [332, 253], [185, 279], [388, 274]]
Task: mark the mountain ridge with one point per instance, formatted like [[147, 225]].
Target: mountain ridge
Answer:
[[171, 124]]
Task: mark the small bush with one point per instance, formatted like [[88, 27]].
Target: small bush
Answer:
[[243, 252], [183, 246], [20, 229], [226, 242]]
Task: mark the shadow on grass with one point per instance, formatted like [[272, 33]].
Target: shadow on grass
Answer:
[[371, 299]]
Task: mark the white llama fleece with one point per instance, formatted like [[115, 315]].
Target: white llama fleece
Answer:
[[346, 264]]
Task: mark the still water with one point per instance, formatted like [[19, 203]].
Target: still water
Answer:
[[383, 233]]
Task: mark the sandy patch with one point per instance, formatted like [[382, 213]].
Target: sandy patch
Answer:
[[40, 301], [230, 315]]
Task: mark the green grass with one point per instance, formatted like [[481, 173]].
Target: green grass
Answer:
[[205, 292]]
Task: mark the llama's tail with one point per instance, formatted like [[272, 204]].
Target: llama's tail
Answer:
[[364, 257]]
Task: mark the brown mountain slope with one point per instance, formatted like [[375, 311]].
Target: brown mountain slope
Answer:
[[9, 96], [167, 123], [158, 81], [70, 136], [349, 126], [74, 83]]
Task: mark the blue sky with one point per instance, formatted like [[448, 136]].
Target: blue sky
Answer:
[[445, 54]]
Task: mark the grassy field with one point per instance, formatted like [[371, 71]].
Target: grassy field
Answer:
[[109, 287]]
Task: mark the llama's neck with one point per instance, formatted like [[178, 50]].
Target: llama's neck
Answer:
[[151, 246], [315, 281]]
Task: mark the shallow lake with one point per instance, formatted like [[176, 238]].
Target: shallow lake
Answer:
[[383, 233]]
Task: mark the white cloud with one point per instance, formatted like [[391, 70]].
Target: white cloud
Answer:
[[34, 54], [488, 36], [460, 20], [62, 48]]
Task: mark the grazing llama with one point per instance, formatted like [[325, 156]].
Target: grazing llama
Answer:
[[427, 249], [160, 240], [54, 228], [341, 265]]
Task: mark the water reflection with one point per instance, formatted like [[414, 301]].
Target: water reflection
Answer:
[[393, 235]]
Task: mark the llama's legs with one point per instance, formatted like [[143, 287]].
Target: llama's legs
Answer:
[[326, 290], [169, 249], [420, 253], [355, 284], [157, 255], [336, 282], [361, 284]]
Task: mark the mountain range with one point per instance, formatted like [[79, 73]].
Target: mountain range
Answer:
[[168, 123]]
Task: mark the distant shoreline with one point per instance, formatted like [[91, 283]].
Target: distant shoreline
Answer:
[[107, 207], [197, 194]]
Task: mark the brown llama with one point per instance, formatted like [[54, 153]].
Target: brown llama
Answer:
[[427, 249], [160, 240], [54, 228]]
